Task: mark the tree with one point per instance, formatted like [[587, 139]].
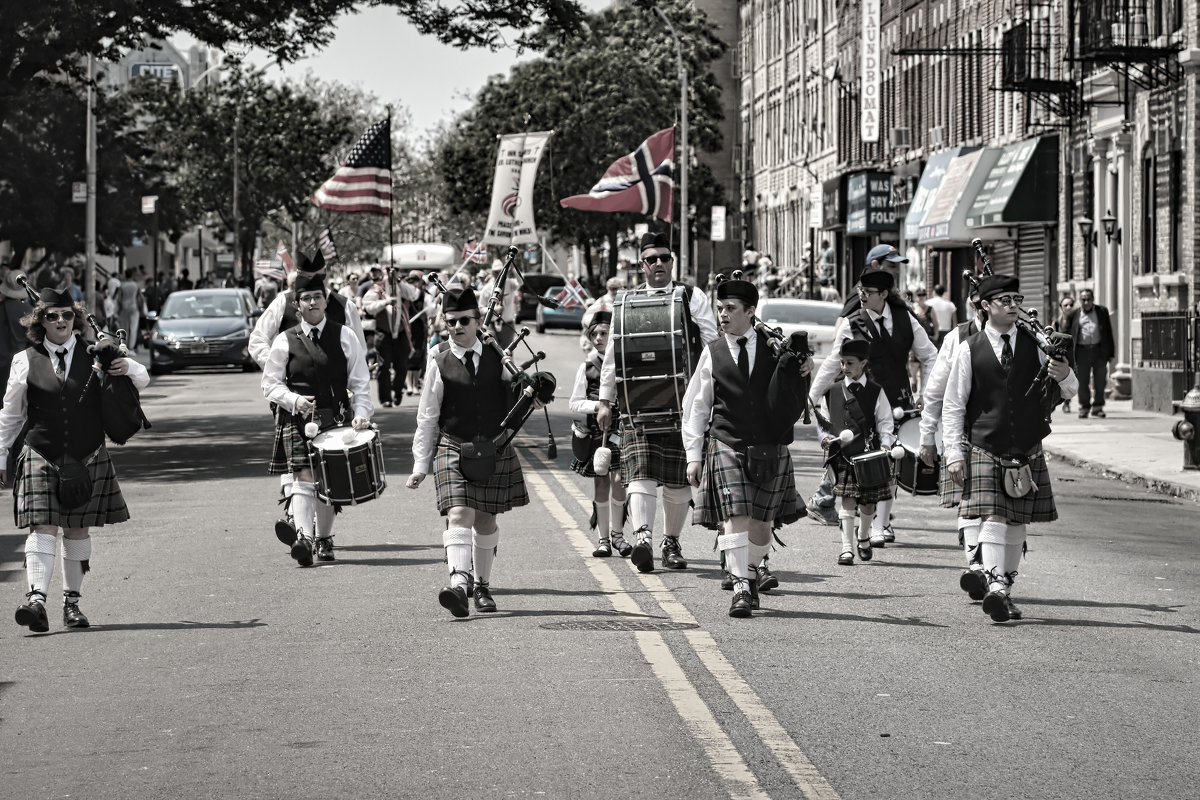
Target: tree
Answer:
[[40, 40], [603, 89]]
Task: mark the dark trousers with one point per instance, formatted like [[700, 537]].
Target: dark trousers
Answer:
[[393, 358], [1091, 367]]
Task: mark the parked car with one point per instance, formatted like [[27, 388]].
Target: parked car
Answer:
[[791, 315], [562, 317], [203, 328], [535, 287]]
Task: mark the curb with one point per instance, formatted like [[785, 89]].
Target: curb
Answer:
[[1155, 485]]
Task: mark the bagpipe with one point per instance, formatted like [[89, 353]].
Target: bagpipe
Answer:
[[1055, 344], [120, 404]]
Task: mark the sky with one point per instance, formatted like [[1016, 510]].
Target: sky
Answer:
[[383, 54]]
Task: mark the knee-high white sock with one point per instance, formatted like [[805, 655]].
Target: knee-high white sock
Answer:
[[848, 523], [602, 518], [76, 553], [1013, 547], [40, 550], [641, 504], [457, 542], [285, 490], [735, 546], [485, 553], [866, 524], [992, 538], [675, 508], [324, 519], [883, 516], [970, 532], [304, 506], [617, 510]]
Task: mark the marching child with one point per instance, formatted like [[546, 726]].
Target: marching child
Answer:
[[609, 493], [855, 417]]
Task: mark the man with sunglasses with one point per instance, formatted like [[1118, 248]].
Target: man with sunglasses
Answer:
[[651, 460], [1091, 331], [1000, 465], [52, 388]]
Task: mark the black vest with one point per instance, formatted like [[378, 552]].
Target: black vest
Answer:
[[471, 410], [889, 363], [968, 328], [62, 418], [591, 373], [319, 370], [740, 416], [335, 310], [1000, 418], [841, 419]]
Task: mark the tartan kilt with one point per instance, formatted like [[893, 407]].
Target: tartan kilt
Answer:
[[983, 491], [504, 491], [845, 484], [657, 457], [35, 493], [290, 451], [584, 468], [949, 492], [727, 492]]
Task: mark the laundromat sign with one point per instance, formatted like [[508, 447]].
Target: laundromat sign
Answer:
[[869, 206]]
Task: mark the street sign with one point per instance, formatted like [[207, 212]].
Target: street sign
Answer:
[[78, 192], [225, 259], [149, 203], [718, 224], [165, 72]]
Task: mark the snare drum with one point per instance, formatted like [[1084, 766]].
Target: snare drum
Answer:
[[873, 469], [655, 356], [912, 475], [347, 465]]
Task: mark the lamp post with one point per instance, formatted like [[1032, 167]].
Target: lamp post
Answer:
[[1087, 231], [1111, 231], [684, 222]]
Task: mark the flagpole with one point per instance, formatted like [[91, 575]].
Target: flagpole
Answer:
[[391, 235], [684, 260]]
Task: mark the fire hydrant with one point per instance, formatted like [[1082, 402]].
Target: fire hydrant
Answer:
[[1187, 430]]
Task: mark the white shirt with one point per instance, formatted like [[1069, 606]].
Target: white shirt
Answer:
[[16, 394], [958, 388], [429, 412], [943, 310], [358, 377], [935, 387], [884, 424], [922, 348], [702, 315], [698, 400], [265, 331], [580, 405]]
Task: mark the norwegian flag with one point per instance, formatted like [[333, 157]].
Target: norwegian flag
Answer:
[[642, 181], [572, 295], [474, 251], [364, 180]]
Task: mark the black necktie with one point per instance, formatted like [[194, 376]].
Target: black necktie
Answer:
[[469, 361], [855, 387], [884, 336], [315, 335], [1006, 353], [743, 359], [61, 369]]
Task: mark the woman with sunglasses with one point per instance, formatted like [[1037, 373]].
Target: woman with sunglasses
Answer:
[[1062, 323], [51, 386]]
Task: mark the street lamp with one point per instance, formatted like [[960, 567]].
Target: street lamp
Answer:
[[1088, 232], [1111, 231], [684, 222]]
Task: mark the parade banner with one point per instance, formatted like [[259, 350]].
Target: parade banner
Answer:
[[510, 220]]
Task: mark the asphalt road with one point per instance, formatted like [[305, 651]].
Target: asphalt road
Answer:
[[217, 668]]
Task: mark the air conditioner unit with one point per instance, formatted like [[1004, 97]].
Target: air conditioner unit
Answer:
[[936, 136], [899, 137]]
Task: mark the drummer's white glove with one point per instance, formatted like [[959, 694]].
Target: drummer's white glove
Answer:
[[360, 423]]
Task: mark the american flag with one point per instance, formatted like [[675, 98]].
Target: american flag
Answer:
[[325, 242], [364, 180], [281, 253]]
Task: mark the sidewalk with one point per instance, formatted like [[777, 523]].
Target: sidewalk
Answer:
[[1133, 446]]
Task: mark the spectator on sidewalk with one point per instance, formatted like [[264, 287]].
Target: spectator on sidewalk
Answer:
[[66, 283], [944, 312], [1091, 330]]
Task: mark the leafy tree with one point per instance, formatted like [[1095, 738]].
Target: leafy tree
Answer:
[[603, 89]]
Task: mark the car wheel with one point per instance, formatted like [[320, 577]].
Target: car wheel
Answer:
[[155, 369], [541, 327], [249, 366]]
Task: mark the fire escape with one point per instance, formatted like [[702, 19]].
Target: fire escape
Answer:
[[1035, 60], [1121, 35]]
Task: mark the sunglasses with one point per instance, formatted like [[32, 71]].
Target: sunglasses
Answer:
[[865, 290], [1009, 300], [310, 298], [54, 316], [460, 322], [667, 259]]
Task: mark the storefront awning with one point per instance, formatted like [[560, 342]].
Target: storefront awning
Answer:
[[1021, 187], [946, 220], [927, 188]]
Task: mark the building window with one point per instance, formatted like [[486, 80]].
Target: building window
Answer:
[[1176, 210], [1149, 205]]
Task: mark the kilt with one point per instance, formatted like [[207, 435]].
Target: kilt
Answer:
[[845, 484], [949, 492], [290, 451], [504, 491], [726, 491], [983, 491], [657, 457], [584, 468], [36, 488]]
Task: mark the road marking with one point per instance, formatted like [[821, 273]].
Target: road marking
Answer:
[[722, 754]]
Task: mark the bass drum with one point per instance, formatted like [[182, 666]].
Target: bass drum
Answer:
[[348, 465], [912, 474], [656, 355]]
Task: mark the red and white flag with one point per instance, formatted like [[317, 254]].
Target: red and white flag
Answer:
[[474, 251], [281, 253], [325, 243], [642, 181], [364, 180]]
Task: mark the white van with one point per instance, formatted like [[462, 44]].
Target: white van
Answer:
[[426, 256]]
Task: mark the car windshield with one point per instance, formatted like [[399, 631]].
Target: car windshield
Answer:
[[197, 304], [801, 313]]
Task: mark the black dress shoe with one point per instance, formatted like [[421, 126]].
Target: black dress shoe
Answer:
[[642, 556], [1099, 412], [1083, 413], [603, 549], [995, 605], [741, 607], [325, 548], [974, 583], [302, 551], [766, 581], [285, 532], [33, 616], [619, 544], [672, 555], [726, 581], [1013, 611], [387, 404], [846, 559], [73, 617], [864, 550], [454, 598], [483, 598]]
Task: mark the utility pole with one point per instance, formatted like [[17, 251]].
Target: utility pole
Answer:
[[89, 270], [684, 219]]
